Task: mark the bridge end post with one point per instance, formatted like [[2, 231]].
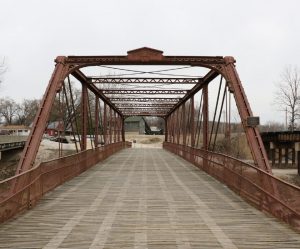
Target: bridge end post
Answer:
[[253, 136], [40, 122]]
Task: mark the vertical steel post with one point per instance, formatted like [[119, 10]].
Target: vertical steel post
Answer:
[[178, 125], [115, 126], [205, 117], [286, 156], [110, 124], [96, 121], [119, 126], [192, 122], [166, 128], [170, 129], [105, 123], [123, 129], [293, 156], [280, 156], [84, 117], [174, 126], [184, 124], [273, 156], [205, 125]]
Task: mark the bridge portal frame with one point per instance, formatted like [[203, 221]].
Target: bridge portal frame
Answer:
[[72, 65]]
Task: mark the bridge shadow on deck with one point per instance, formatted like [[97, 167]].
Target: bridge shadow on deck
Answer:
[[145, 198]]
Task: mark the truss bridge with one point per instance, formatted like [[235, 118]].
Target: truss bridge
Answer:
[[201, 189]]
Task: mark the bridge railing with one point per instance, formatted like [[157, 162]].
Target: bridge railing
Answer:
[[12, 139], [259, 188], [16, 197]]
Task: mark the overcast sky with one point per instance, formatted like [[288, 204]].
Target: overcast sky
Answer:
[[263, 36]]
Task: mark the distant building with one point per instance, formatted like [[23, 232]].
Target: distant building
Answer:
[[135, 124], [54, 128], [15, 130], [140, 125]]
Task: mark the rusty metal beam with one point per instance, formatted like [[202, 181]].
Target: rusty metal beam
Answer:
[[144, 107], [129, 91], [205, 117], [211, 75], [192, 106], [158, 100], [96, 122], [152, 105], [84, 117], [105, 122], [141, 59], [144, 114], [144, 80], [253, 136], [40, 122], [144, 110], [147, 56], [83, 79]]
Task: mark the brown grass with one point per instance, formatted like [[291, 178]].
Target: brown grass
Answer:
[[152, 140]]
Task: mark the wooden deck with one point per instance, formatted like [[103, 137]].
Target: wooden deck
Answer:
[[145, 198]]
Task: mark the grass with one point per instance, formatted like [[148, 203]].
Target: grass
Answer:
[[151, 140]]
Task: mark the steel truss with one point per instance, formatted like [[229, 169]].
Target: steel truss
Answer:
[[112, 114], [155, 100], [144, 80], [121, 91], [190, 132], [134, 105]]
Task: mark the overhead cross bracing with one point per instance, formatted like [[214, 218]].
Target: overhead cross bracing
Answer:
[[155, 92], [144, 80], [133, 105], [127, 91], [141, 99]]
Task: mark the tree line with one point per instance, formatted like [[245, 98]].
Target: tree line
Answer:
[[13, 113]]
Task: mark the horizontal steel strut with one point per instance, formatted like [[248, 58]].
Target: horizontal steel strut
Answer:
[[133, 105], [174, 100], [126, 91], [144, 108], [144, 80]]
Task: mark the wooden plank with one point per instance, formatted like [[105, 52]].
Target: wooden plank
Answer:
[[145, 198]]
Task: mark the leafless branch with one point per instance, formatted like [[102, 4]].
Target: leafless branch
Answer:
[[287, 96]]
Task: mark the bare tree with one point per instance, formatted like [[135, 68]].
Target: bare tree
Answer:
[[287, 95], [8, 110], [26, 111], [60, 110]]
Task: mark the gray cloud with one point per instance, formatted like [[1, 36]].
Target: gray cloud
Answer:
[[262, 35]]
